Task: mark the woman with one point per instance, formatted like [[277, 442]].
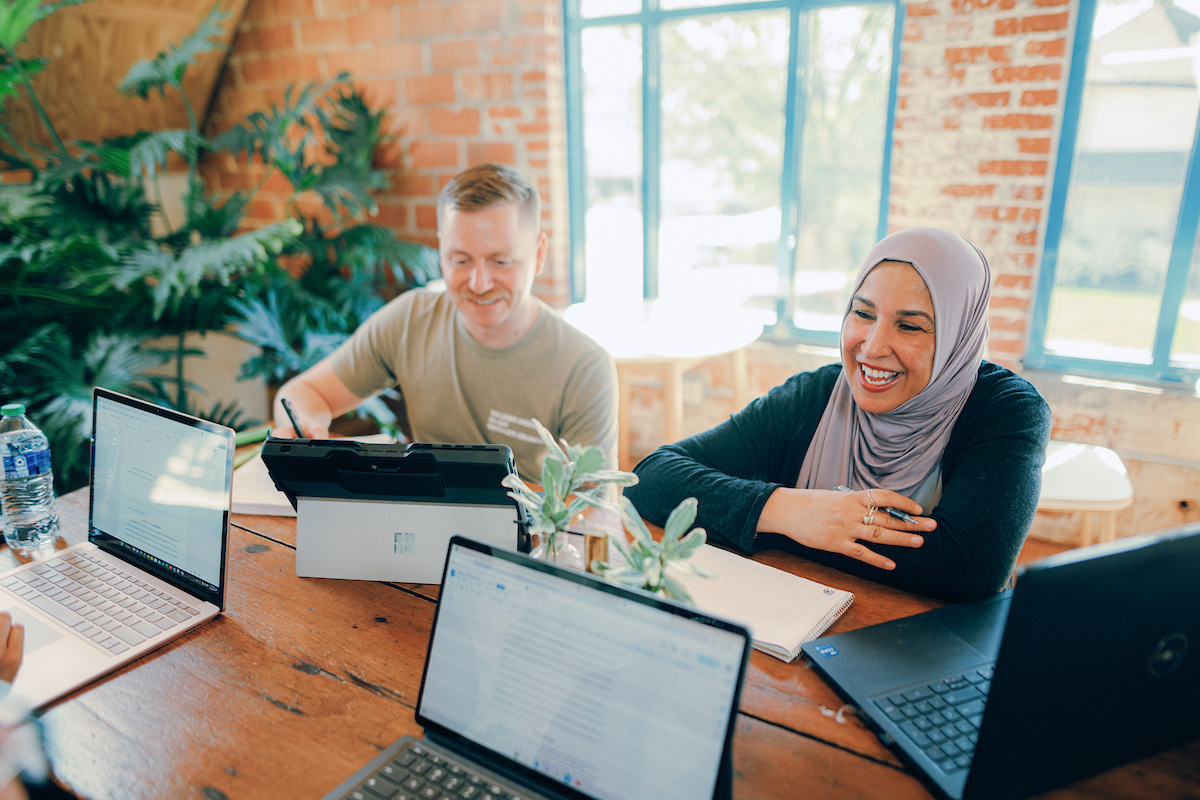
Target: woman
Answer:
[[912, 419]]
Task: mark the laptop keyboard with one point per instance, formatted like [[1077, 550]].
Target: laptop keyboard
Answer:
[[104, 603], [942, 718], [419, 774]]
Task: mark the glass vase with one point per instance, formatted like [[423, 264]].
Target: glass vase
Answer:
[[555, 548]]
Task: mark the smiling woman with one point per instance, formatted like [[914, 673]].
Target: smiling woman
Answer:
[[913, 420]]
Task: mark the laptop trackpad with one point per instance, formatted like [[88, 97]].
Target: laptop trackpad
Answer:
[[37, 635]]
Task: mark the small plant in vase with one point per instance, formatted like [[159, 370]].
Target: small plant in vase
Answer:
[[647, 561], [573, 479]]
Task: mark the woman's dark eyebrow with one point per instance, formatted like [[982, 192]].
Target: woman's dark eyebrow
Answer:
[[915, 314]]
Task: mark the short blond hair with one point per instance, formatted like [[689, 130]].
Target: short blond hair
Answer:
[[485, 186]]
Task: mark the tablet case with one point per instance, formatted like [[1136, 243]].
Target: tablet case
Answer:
[[386, 512]]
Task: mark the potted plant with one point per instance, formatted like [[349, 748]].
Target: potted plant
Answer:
[[647, 563], [573, 479]]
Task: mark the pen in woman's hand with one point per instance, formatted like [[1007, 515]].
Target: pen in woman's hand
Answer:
[[291, 412], [891, 512]]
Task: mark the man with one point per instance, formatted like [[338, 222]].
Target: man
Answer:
[[479, 361]]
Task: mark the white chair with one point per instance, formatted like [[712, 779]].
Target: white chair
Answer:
[[1088, 479]]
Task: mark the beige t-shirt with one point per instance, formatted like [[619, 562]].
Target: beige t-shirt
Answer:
[[457, 390]]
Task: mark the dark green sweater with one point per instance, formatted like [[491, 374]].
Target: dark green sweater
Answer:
[[991, 477]]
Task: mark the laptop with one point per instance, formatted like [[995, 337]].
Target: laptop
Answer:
[[386, 511], [1091, 661], [154, 563], [546, 683]]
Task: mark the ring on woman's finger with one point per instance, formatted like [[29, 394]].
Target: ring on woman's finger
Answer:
[[869, 517], [871, 500]]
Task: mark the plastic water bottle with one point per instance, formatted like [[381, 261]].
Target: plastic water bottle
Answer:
[[27, 484]]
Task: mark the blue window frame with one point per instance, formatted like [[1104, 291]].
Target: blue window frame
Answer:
[[1119, 286], [730, 150]]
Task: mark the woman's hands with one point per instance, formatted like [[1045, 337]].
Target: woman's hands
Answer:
[[841, 522]]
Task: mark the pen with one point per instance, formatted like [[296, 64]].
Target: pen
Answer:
[[291, 412], [891, 512]]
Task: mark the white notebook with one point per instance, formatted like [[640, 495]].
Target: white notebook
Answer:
[[782, 611]]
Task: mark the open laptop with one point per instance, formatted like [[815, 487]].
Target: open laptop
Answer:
[[154, 563], [1091, 661], [544, 682]]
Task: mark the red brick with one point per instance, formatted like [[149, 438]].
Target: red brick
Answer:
[[388, 155], [949, 123], [538, 145], [379, 93], [914, 31], [267, 38], [454, 123], [1006, 324], [922, 10], [487, 86], [536, 19], [538, 163], [427, 217], [434, 154], [425, 21], [277, 183], [1021, 303], [534, 128], [1036, 24], [338, 8], [292, 9], [478, 15], [324, 32], [1022, 122], [534, 94], [393, 215], [16, 176], [258, 69], [1010, 346], [1055, 47], [997, 213], [409, 185], [264, 209], [998, 54], [507, 59], [300, 66], [430, 89], [535, 76], [1033, 215], [1012, 167], [967, 190], [969, 6], [1039, 97], [508, 112], [450, 55], [401, 57], [1037, 72], [374, 26], [494, 152], [1027, 238], [1048, 3], [1010, 281], [1038, 147], [983, 99], [359, 63], [1028, 193]]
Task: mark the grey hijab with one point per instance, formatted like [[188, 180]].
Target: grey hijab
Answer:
[[902, 449]]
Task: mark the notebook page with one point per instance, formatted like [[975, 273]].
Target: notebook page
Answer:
[[783, 611]]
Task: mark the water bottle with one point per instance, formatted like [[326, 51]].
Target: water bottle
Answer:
[[27, 484]]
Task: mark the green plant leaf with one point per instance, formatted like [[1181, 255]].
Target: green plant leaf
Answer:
[[633, 523], [681, 518], [689, 544], [168, 68], [18, 16], [675, 590], [591, 460], [555, 452]]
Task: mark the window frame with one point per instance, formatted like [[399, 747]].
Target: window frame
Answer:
[[650, 20], [1187, 221]]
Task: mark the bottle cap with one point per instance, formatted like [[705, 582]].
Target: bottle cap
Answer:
[[13, 409]]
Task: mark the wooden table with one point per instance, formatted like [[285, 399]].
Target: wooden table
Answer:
[[301, 681]]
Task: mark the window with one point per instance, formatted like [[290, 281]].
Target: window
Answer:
[[1119, 292], [729, 152]]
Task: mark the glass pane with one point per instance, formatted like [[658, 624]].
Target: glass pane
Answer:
[[841, 166], [724, 81], [606, 8], [612, 144], [1135, 134], [1186, 347]]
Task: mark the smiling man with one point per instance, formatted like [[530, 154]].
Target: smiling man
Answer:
[[477, 362]]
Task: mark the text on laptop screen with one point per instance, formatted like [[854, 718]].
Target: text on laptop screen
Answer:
[[612, 697], [159, 489]]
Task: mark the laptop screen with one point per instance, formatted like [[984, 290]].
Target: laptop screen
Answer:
[[160, 487], [614, 695]]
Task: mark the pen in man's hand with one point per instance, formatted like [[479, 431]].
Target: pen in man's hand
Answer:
[[891, 512], [291, 412]]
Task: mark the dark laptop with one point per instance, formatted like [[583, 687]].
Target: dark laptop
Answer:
[[544, 682], [1092, 661]]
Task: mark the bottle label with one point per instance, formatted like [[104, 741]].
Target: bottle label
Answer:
[[24, 465]]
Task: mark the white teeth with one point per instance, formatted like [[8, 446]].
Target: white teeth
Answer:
[[877, 376]]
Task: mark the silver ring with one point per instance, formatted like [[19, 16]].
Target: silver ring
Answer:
[[869, 517]]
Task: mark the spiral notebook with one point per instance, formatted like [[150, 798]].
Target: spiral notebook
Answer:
[[782, 611]]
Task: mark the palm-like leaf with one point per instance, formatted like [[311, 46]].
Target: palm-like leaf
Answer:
[[167, 68]]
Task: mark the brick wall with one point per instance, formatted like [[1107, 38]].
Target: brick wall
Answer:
[[979, 107], [463, 81]]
